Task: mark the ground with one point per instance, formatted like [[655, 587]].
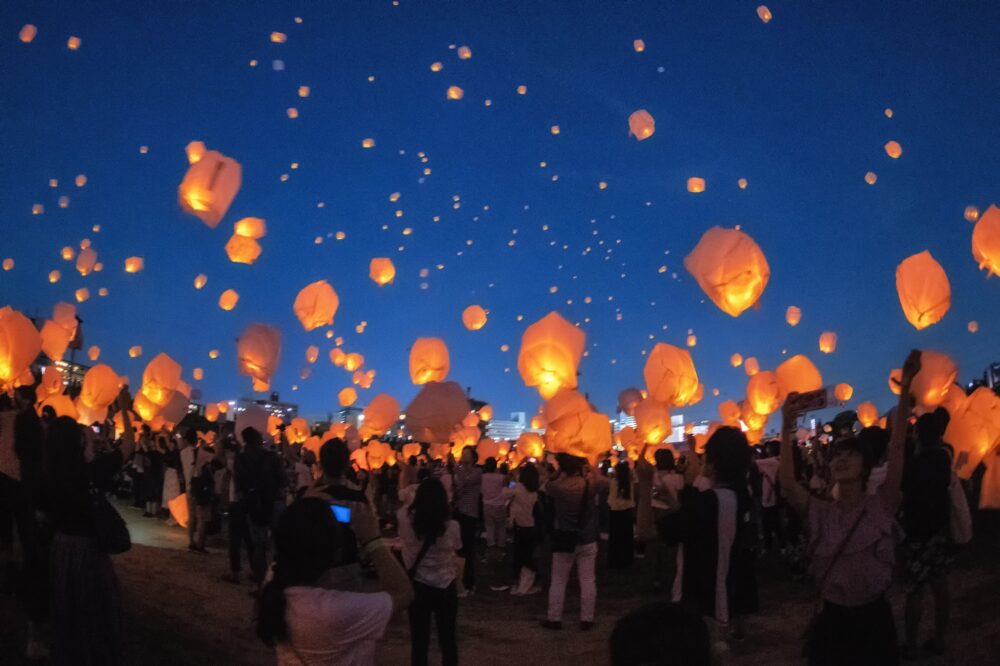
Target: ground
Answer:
[[178, 611]]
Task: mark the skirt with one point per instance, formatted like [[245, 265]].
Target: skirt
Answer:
[[86, 609], [854, 635]]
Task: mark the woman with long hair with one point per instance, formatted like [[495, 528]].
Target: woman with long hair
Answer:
[[302, 613], [523, 496], [621, 505], [430, 540]]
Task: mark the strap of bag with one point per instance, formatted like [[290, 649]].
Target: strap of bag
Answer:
[[428, 542], [840, 550]]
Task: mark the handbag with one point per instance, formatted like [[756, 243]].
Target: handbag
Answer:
[[565, 541], [810, 632], [110, 529], [959, 518]]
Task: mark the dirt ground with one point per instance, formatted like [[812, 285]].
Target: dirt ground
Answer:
[[178, 611]]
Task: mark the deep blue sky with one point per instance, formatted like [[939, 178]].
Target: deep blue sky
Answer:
[[795, 106]]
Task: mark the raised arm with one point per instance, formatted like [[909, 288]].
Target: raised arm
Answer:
[[128, 434], [889, 490], [791, 489], [392, 579]]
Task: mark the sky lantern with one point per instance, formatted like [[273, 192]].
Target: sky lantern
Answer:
[[67, 253], [160, 379], [312, 353], [670, 375], [55, 340], [730, 268], [316, 305], [537, 422], [353, 361], [974, 430], [893, 149], [429, 361], [765, 392], [411, 450], [198, 374], [20, 343], [8, 264], [843, 392], [200, 281], [799, 375], [641, 125], [486, 413], [867, 414], [454, 92], [85, 261], [81, 294], [381, 414], [135, 351], [937, 374], [212, 412], [228, 299], [242, 250], [971, 213], [628, 399], [793, 315], [752, 419], [257, 353], [764, 14], [52, 382], [251, 227], [550, 354], [53, 276], [210, 184], [828, 342], [337, 357], [896, 381], [347, 396], [27, 33], [464, 52], [471, 420], [736, 360], [751, 366], [695, 185], [531, 445], [94, 352], [652, 421], [638, 45], [382, 271], [474, 317], [924, 290], [488, 448], [986, 241], [100, 387], [435, 411], [729, 412], [134, 264], [871, 177]]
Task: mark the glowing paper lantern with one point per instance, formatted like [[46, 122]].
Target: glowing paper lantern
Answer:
[[798, 375], [243, 250], [160, 380], [751, 367], [94, 352], [652, 421], [200, 281], [893, 149], [380, 415], [210, 184], [531, 445], [764, 14], [729, 412], [435, 411], [20, 343], [55, 340], [474, 317], [134, 264], [986, 241], [639, 45], [429, 361], [628, 399], [924, 290], [85, 261], [337, 357], [486, 413], [695, 185], [670, 375], [382, 271], [228, 299], [828, 342], [52, 382], [867, 414], [27, 33], [8, 264], [971, 213], [81, 295], [843, 392], [736, 360], [454, 92], [100, 387], [871, 177], [730, 268], [347, 396], [312, 353], [765, 392], [471, 420], [353, 361], [53, 276], [298, 430], [257, 354], [974, 430], [937, 374], [316, 305], [641, 125], [488, 448], [135, 351], [250, 227], [550, 354]]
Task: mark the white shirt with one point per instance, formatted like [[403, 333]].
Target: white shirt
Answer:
[[522, 505], [768, 468], [663, 479], [437, 568], [187, 462], [493, 489], [332, 627]]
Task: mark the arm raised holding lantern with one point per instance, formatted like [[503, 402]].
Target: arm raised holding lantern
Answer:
[[797, 496], [890, 488]]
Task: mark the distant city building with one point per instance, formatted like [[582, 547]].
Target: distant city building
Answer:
[[676, 425], [273, 405], [354, 416], [509, 429]]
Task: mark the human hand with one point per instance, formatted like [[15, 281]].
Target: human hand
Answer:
[[363, 522]]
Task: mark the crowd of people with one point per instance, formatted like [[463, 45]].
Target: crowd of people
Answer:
[[335, 551]]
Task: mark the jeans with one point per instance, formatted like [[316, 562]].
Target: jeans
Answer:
[[469, 525], [443, 605], [585, 557], [495, 518]]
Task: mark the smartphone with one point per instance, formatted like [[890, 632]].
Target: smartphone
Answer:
[[812, 400], [341, 512]]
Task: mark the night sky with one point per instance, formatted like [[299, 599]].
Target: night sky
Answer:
[[795, 106]]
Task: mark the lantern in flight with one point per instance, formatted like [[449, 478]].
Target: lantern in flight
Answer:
[[641, 125], [933, 381], [828, 342], [893, 149], [353, 361], [382, 271], [337, 357], [867, 414], [550, 354], [55, 340], [730, 268], [924, 290], [316, 305], [86, 260], [764, 393], [986, 241], [474, 317], [210, 184], [435, 411], [133, 264], [429, 361], [243, 250], [347, 396], [312, 353], [843, 392], [380, 415], [257, 353], [531, 445], [628, 399], [729, 412], [736, 360], [793, 315], [652, 421], [974, 430], [486, 413], [798, 375], [764, 14], [250, 227], [670, 375], [228, 299], [99, 388], [751, 366], [20, 343]]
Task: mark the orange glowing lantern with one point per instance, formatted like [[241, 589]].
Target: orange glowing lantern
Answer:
[[243, 250], [751, 367], [486, 413], [257, 353], [210, 184], [736, 360], [228, 299], [729, 412], [200, 281], [974, 430], [435, 411], [843, 392], [85, 261], [20, 343], [134, 264], [454, 92], [764, 14], [670, 375], [55, 340], [639, 45], [652, 421], [867, 414], [793, 315], [353, 361], [380, 415], [312, 353], [828, 342], [27, 33], [986, 241], [250, 227], [135, 351], [474, 317], [730, 268], [893, 149], [94, 352], [641, 125], [628, 399], [798, 375], [937, 374], [429, 361], [550, 354], [100, 387], [924, 290], [695, 185], [765, 392], [347, 396], [382, 271], [316, 305], [531, 445]]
